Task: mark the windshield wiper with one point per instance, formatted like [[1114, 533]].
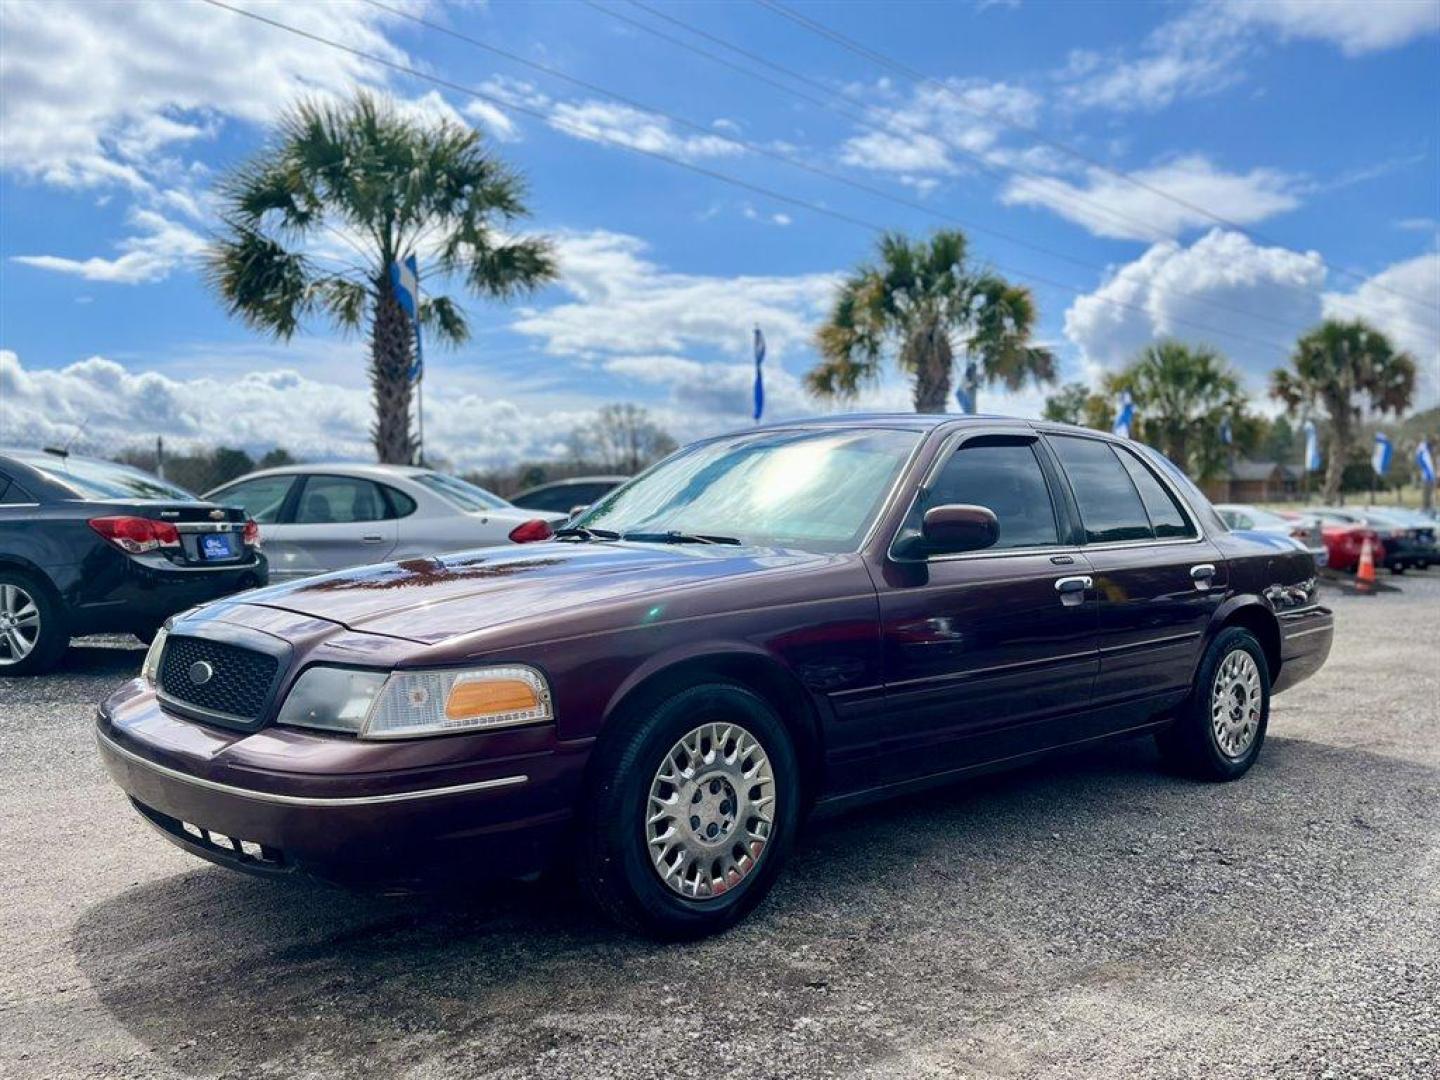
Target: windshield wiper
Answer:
[[582, 532], [674, 536]]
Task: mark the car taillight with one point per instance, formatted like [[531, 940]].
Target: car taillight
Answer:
[[252, 533], [527, 532], [136, 534]]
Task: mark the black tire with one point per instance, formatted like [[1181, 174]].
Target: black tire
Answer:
[[1398, 568], [53, 635], [1191, 745], [146, 633], [614, 863]]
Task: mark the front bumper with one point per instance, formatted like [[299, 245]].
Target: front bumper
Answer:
[[369, 815]]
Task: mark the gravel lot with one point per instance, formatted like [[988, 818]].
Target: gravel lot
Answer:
[[1092, 917]]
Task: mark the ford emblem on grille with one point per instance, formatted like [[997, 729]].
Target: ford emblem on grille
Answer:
[[201, 672]]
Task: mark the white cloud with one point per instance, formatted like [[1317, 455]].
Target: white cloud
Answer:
[[1108, 205], [151, 255], [1354, 26], [625, 304], [1401, 300], [612, 123], [493, 120], [92, 90], [921, 132], [1266, 295]]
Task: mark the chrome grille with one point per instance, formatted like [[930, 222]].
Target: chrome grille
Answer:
[[238, 684]]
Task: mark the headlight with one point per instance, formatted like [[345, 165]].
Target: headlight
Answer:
[[150, 669], [405, 704]]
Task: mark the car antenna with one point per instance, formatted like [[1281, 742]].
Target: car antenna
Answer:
[[64, 451]]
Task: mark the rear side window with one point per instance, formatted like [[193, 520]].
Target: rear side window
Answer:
[[401, 505], [1110, 507], [339, 500], [1004, 475], [261, 498], [1166, 517]]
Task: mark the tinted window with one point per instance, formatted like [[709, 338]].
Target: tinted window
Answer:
[[1003, 475], [1110, 507], [328, 500], [260, 498], [401, 505], [87, 478], [1166, 517], [556, 498]]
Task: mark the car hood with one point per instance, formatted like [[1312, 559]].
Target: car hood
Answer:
[[433, 599]]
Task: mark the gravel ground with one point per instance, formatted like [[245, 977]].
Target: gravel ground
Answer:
[[1090, 917]]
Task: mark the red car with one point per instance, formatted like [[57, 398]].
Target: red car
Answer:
[[1343, 541]]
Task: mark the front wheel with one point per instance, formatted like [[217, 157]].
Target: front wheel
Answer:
[[692, 809], [1218, 732]]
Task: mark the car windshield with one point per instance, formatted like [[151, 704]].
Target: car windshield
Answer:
[[459, 493], [812, 490], [91, 479]]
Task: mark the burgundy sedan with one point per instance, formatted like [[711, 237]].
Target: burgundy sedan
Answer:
[[810, 614]]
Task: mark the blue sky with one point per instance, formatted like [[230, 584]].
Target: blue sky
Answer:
[[1309, 124]]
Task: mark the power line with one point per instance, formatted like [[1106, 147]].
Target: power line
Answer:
[[799, 163], [758, 189], [999, 171], [913, 75]]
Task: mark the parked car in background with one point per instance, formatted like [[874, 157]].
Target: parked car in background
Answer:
[[1405, 546], [1344, 540], [1413, 534], [89, 546], [1256, 519], [818, 612], [319, 518], [567, 496]]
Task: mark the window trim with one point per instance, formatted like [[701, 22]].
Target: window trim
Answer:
[[1119, 545], [952, 444]]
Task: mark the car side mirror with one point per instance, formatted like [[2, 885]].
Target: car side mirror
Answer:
[[948, 530]]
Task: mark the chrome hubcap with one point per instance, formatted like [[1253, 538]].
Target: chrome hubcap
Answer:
[[711, 811], [1235, 701], [19, 624]]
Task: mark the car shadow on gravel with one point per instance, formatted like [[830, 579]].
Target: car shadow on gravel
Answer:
[[214, 971]]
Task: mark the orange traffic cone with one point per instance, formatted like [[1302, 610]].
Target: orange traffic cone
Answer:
[[1365, 572]]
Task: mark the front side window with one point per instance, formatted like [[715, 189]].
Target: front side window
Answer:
[[332, 500], [261, 498], [1002, 474], [1110, 507], [807, 489]]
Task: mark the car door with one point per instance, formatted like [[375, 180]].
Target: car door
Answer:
[[336, 522], [1158, 580], [987, 653]]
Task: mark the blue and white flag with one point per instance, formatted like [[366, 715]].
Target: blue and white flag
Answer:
[[759, 374], [405, 277], [1426, 461], [1380, 457], [1312, 447], [1124, 416], [1227, 434], [963, 397]]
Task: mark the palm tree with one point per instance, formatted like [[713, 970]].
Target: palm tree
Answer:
[[925, 299], [1343, 367], [1182, 394], [313, 224]]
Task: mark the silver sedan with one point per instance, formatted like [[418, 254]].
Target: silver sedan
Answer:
[[316, 518]]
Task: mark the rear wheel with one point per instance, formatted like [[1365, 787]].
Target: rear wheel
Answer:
[[33, 635], [1218, 732], [692, 810]]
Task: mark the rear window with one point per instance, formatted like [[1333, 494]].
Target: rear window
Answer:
[[1166, 517], [87, 478], [459, 493], [1110, 507]]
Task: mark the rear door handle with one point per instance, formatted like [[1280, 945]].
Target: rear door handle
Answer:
[[1202, 575], [1072, 589]]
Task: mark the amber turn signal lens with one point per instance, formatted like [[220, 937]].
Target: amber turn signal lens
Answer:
[[483, 697]]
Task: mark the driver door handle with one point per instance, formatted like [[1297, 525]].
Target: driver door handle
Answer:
[[372, 539], [1072, 589]]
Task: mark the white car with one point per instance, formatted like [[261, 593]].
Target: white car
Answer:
[[1256, 519], [316, 518]]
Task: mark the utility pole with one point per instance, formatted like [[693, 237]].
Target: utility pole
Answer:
[[160, 456]]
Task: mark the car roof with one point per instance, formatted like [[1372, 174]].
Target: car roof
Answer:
[[913, 421], [615, 479], [336, 468]]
